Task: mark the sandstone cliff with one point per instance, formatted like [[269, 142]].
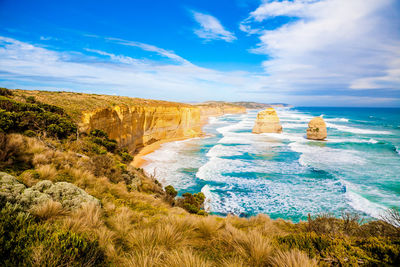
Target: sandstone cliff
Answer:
[[317, 129], [267, 122], [137, 126], [215, 109], [134, 122]]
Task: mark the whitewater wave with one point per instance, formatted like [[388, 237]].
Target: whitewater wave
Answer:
[[337, 119], [210, 197], [397, 149], [362, 204], [350, 140], [326, 158], [294, 125], [355, 130]]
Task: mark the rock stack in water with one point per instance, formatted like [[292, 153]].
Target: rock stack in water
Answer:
[[267, 122], [316, 129]]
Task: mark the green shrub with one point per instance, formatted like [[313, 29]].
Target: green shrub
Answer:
[[30, 99], [311, 243], [30, 133], [126, 157], [20, 117], [99, 133], [170, 190], [5, 92], [99, 137], [25, 242], [381, 250], [192, 202]]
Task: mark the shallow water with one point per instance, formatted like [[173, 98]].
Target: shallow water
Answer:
[[285, 175]]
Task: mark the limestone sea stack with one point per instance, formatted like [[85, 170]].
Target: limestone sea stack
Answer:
[[267, 122], [316, 129]]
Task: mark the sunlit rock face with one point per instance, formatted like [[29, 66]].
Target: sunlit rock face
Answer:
[[218, 109], [317, 129], [137, 126], [267, 122]]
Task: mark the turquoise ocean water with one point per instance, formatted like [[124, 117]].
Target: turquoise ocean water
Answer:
[[285, 175]]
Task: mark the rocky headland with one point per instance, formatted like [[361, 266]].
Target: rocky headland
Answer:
[[267, 122], [133, 122]]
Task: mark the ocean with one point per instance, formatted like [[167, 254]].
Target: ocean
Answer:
[[285, 175]]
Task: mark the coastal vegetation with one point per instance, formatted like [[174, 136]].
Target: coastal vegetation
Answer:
[[72, 198]]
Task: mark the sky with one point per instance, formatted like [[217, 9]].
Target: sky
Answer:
[[302, 52]]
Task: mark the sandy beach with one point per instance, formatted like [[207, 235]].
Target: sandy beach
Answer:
[[140, 162]]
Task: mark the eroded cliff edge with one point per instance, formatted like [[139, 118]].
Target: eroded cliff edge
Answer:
[[137, 126], [135, 122]]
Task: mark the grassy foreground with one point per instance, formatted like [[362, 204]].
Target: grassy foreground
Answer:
[[136, 222]]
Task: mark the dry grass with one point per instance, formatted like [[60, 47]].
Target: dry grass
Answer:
[[29, 178], [185, 257], [48, 210], [144, 258], [122, 221], [251, 246], [209, 226], [85, 219], [232, 262], [47, 172], [76, 103], [166, 236], [292, 258]]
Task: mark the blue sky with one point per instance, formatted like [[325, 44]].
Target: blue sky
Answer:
[[303, 52]]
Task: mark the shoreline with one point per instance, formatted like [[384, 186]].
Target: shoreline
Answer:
[[138, 160]]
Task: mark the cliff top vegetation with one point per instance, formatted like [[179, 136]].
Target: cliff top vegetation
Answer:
[[76, 103]]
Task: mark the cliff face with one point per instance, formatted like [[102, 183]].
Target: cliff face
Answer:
[[215, 109], [138, 126], [267, 122], [134, 122]]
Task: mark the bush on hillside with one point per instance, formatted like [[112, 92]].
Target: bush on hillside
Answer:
[[25, 242], [100, 137], [192, 202], [5, 92], [20, 117], [170, 190]]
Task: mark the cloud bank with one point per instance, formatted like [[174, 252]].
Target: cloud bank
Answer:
[[329, 45]]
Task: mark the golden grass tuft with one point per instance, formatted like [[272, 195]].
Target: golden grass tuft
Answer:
[[167, 236], [47, 172], [208, 227], [232, 262], [87, 218], [48, 210], [292, 258], [185, 257], [251, 245], [122, 221], [29, 178], [35, 146], [144, 258]]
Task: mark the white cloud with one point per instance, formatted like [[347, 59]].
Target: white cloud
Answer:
[[116, 58], [211, 28], [150, 48], [329, 44], [25, 65]]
